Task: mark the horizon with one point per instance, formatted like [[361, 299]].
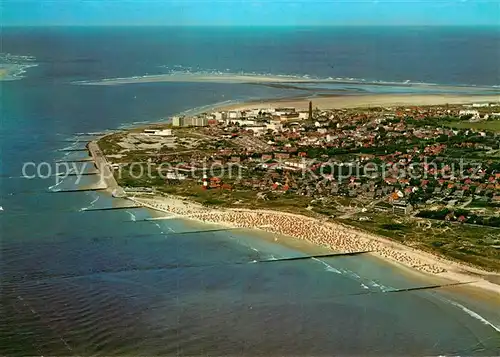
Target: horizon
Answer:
[[252, 26]]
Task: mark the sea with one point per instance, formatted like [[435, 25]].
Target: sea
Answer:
[[79, 282]]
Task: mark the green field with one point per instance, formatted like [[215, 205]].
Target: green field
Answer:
[[490, 125], [478, 246]]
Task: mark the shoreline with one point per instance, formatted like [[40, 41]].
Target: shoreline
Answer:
[[335, 236], [365, 100]]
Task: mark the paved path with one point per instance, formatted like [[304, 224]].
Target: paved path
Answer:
[[105, 171]]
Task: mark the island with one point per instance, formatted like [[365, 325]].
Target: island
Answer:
[[413, 179], [13, 67]]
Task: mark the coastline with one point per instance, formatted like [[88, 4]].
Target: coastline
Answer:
[[365, 100], [335, 236], [12, 72], [105, 171]]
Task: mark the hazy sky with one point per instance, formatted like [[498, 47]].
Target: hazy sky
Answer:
[[250, 12]]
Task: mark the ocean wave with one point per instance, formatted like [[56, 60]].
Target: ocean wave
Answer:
[[91, 204], [132, 216], [328, 267], [348, 273], [69, 147], [377, 285], [51, 188], [473, 314], [159, 227], [94, 201]]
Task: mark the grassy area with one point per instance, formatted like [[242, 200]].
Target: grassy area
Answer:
[[489, 125], [108, 144], [467, 244], [237, 199], [135, 177], [483, 204]]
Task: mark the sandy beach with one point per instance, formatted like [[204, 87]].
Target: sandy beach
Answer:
[[334, 236], [372, 100]]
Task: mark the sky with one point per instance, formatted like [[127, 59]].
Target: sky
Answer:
[[249, 12]]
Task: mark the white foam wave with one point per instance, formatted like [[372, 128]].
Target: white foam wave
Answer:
[[473, 314], [377, 285], [91, 204], [94, 201], [54, 186], [328, 267], [331, 269], [132, 216], [352, 274], [70, 147], [160, 228]]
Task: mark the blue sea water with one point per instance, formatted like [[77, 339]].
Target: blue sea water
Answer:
[[75, 282]]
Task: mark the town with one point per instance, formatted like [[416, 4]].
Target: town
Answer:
[[405, 172]]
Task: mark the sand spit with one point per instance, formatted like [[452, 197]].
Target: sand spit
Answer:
[[202, 77], [212, 78]]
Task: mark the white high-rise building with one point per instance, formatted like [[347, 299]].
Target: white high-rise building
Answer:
[[177, 121]]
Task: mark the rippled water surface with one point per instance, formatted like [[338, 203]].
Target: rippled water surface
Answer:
[[109, 283]]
